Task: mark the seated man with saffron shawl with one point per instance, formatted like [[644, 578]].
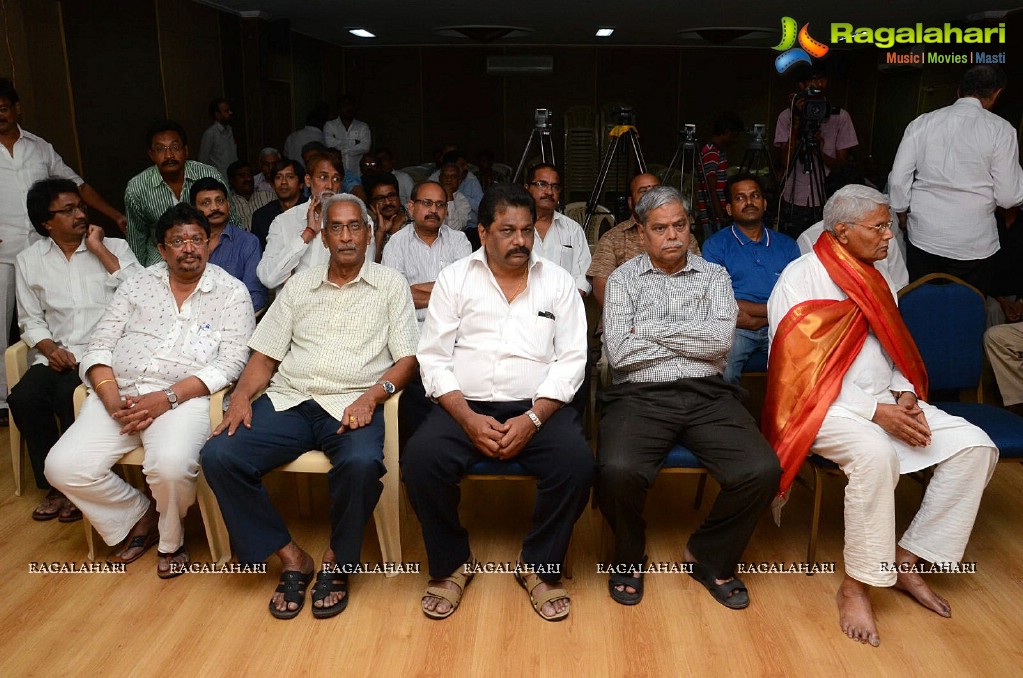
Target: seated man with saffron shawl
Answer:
[[846, 381]]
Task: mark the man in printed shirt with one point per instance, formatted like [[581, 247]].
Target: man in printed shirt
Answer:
[[172, 335], [64, 284], [668, 323], [503, 350], [337, 342]]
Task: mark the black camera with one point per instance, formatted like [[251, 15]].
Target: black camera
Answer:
[[543, 118], [623, 114], [816, 108]]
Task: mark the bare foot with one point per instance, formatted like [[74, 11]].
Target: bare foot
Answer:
[[334, 597], [293, 558], [855, 615], [913, 584]]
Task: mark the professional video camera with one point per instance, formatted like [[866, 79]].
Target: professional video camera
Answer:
[[623, 115], [813, 108], [542, 118]]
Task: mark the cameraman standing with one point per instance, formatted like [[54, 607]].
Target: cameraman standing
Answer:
[[800, 206]]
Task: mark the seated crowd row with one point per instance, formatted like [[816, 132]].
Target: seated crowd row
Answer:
[[488, 347]]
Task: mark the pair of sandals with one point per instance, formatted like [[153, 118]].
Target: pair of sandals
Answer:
[[464, 574], [57, 506], [168, 565], [732, 594], [293, 586]]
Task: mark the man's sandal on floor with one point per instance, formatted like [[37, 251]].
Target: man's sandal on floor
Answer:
[[732, 594], [293, 585], [623, 597], [143, 542], [170, 565], [328, 582], [50, 507], [529, 581], [459, 578]]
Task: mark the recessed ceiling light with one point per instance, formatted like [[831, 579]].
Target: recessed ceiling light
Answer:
[[605, 32], [361, 33]]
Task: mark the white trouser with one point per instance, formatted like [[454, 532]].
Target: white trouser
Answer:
[[1003, 344], [81, 466], [941, 527], [6, 318]]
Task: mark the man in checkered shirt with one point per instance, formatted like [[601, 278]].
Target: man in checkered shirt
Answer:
[[669, 317]]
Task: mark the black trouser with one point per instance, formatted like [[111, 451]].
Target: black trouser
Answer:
[[34, 400], [977, 272], [795, 219], [413, 409], [440, 453], [642, 422]]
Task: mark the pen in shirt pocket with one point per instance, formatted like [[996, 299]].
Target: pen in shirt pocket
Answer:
[[546, 314]]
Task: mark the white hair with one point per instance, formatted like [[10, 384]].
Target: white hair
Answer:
[[344, 197], [851, 203]]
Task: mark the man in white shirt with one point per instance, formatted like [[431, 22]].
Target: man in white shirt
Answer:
[[502, 351], [313, 131], [348, 135], [64, 283], [847, 382], [327, 392], [293, 244], [419, 251], [25, 159], [954, 167], [558, 238], [893, 266], [459, 210], [217, 147], [172, 335]]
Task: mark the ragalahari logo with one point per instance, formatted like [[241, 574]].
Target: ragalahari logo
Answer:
[[791, 55]]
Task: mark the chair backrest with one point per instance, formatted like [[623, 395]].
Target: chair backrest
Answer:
[[947, 318]]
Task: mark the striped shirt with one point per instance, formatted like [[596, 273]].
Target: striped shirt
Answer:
[[334, 343], [565, 244], [660, 327], [409, 255], [147, 197], [242, 208]]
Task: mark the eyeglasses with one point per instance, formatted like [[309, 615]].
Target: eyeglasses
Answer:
[[544, 185], [385, 198], [353, 228], [427, 203], [70, 210], [173, 148], [368, 164], [879, 229], [219, 201], [194, 241]]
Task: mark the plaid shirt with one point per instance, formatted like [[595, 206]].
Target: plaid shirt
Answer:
[[660, 327]]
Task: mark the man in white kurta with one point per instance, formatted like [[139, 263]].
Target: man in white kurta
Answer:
[[877, 429]]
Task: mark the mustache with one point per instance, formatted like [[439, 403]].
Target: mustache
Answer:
[[346, 248], [671, 245], [216, 213], [517, 250]]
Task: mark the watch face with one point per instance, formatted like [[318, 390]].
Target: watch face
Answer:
[[388, 386]]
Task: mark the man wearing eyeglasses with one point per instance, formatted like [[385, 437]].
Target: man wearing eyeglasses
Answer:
[[166, 183], [25, 159], [558, 238], [338, 341], [847, 382], [293, 244], [64, 284], [171, 335], [754, 257], [232, 249]]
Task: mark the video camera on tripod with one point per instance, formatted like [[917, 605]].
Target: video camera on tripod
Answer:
[[812, 109]]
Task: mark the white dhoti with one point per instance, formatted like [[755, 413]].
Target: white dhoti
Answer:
[[964, 458], [80, 465]]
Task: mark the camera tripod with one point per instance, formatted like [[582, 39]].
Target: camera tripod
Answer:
[[625, 128], [692, 181], [808, 156], [541, 134], [756, 158]]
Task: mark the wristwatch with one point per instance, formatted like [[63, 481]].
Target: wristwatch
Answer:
[[172, 397], [535, 419], [388, 386]]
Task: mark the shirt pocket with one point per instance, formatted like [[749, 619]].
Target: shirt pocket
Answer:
[[201, 343]]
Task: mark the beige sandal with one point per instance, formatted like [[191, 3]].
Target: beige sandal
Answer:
[[460, 579], [529, 581]]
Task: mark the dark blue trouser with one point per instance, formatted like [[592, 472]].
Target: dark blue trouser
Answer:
[[234, 467], [440, 453]]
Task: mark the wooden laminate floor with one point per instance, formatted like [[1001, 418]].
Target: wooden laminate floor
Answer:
[[217, 624]]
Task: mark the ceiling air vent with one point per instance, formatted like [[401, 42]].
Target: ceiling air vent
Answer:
[[503, 65]]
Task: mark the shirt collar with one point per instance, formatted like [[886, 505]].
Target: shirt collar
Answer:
[[693, 263], [53, 247], [744, 239], [155, 178], [480, 255], [369, 273], [969, 101], [206, 282], [229, 231]]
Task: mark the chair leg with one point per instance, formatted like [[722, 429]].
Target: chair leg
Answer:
[[818, 495], [17, 456], [213, 522], [89, 538], [387, 521], [701, 485]]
